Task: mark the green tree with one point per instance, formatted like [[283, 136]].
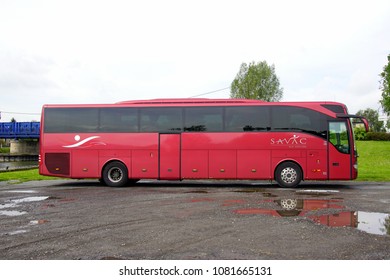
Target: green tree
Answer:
[[256, 81], [373, 119], [385, 87]]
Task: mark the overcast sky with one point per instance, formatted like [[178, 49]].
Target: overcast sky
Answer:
[[109, 51]]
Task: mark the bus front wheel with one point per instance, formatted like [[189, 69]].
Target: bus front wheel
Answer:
[[288, 174], [115, 174]]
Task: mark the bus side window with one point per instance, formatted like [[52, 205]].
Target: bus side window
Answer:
[[69, 120], [148, 120], [160, 119], [203, 119], [172, 120], [248, 118], [118, 120], [299, 119]]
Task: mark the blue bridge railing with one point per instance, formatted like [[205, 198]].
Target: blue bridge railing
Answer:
[[19, 130]]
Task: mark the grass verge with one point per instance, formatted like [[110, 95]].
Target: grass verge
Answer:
[[21, 176], [374, 160]]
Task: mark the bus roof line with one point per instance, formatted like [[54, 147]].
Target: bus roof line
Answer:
[[190, 101]]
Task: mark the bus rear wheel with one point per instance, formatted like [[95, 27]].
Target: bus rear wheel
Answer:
[[288, 174], [115, 174]]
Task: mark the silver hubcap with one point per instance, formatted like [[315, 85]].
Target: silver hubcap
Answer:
[[289, 204], [115, 174], [289, 175]]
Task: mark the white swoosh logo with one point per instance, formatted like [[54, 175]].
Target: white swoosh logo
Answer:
[[81, 142]]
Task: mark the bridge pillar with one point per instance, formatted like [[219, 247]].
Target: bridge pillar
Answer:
[[24, 147]]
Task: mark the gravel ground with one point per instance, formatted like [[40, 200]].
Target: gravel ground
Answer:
[[71, 219]]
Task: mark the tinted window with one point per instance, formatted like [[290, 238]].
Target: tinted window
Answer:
[[208, 119], [334, 108], [118, 120], [160, 119], [299, 119], [71, 119], [247, 118], [203, 119]]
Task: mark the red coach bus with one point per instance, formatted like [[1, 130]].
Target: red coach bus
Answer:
[[176, 139]]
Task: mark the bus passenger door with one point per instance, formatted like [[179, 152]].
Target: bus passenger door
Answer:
[[169, 164], [340, 163]]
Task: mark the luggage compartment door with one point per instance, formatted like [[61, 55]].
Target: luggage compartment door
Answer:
[[169, 163]]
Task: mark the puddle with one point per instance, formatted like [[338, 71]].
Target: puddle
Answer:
[[19, 231], [254, 190], [30, 199], [370, 222], [318, 191], [15, 203], [309, 204], [7, 205], [38, 222], [54, 197], [22, 191], [266, 194], [249, 191], [231, 202], [375, 223], [24, 229], [12, 213]]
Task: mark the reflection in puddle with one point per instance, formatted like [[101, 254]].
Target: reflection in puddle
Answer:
[[12, 213], [374, 223], [15, 203], [19, 231], [231, 202], [309, 204], [205, 199], [249, 190], [317, 191], [7, 205], [22, 191], [38, 222], [342, 219], [30, 199]]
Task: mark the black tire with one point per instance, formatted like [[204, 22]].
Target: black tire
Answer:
[[132, 182], [115, 174], [288, 175]]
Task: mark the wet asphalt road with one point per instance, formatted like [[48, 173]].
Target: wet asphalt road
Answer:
[[71, 219]]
